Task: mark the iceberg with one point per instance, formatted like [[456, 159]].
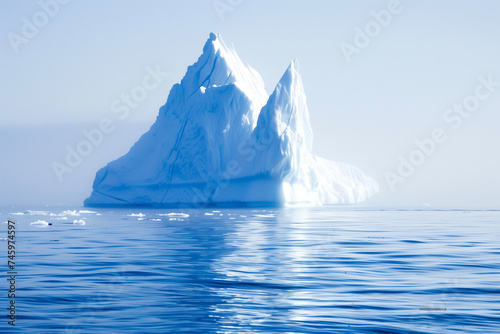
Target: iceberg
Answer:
[[220, 140]]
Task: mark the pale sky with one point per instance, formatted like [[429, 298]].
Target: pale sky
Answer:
[[379, 75]]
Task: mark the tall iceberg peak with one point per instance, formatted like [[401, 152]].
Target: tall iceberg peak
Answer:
[[286, 110], [220, 65], [217, 141], [284, 129]]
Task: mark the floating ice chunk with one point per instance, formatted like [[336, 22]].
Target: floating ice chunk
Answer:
[[86, 211], [36, 213], [174, 214], [79, 222], [16, 213], [69, 213], [208, 214], [41, 223], [156, 219], [137, 215]]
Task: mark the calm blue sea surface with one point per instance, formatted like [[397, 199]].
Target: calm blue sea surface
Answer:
[[325, 270]]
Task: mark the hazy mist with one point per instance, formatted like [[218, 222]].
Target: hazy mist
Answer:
[[432, 67]]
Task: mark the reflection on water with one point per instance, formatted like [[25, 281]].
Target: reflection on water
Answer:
[[261, 271]]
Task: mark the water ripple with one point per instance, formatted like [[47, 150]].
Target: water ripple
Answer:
[[327, 270]]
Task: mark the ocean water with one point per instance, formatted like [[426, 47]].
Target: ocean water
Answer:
[[324, 270]]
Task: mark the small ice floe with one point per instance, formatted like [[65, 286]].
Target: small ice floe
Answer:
[[216, 211], [174, 215], [36, 213], [140, 218], [69, 213], [16, 213], [208, 214], [271, 215], [136, 215], [86, 211], [41, 223], [243, 216], [61, 218], [79, 222], [156, 219], [176, 219]]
